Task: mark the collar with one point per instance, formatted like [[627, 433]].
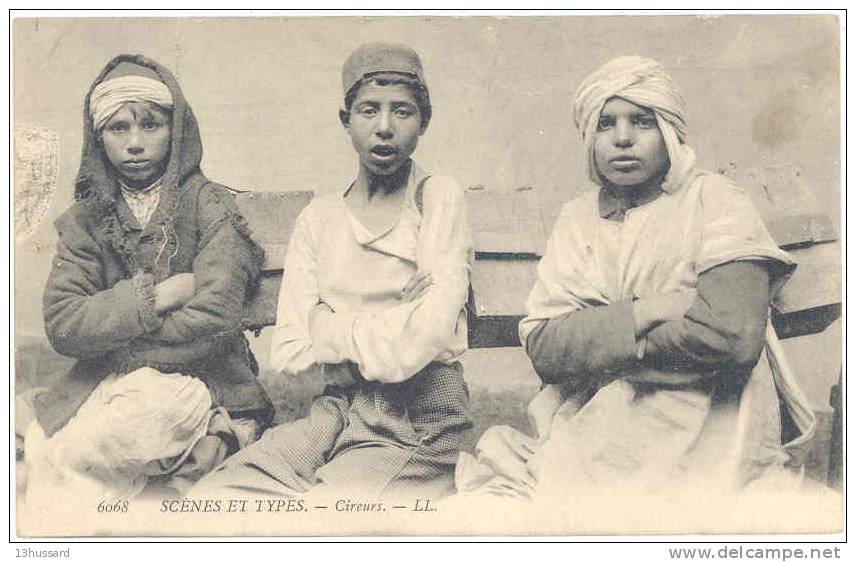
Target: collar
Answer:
[[612, 206], [141, 193], [415, 176], [362, 234]]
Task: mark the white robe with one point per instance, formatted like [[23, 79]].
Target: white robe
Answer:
[[650, 428]]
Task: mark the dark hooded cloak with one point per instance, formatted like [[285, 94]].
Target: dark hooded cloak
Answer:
[[99, 298]]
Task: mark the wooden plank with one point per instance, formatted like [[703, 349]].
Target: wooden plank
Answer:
[[811, 299], [507, 222], [260, 308], [805, 322], [779, 188], [271, 216], [807, 304], [501, 286], [816, 281], [510, 233], [493, 331], [799, 230]]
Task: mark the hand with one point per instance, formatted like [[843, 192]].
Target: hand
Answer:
[[340, 374], [651, 311], [174, 292], [416, 286]]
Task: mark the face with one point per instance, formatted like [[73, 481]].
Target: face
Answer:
[[629, 149], [137, 142], [385, 124]]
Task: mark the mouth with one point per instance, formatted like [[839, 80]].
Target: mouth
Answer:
[[383, 151], [135, 163], [623, 163]]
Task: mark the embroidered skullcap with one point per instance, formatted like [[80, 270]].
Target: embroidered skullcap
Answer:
[[643, 82]]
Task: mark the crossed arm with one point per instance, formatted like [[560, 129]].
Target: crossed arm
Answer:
[[392, 345], [84, 318], [721, 325]]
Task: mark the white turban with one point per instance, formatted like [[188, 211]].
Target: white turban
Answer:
[[109, 96], [645, 83]]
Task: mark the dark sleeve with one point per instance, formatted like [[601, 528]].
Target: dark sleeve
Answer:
[[227, 263], [724, 327], [83, 317], [589, 342]]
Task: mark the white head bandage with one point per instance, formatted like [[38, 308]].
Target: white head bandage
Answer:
[[645, 83], [109, 96]]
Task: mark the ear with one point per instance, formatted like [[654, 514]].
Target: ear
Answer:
[[345, 118]]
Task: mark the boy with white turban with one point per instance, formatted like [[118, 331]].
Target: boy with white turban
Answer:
[[146, 291], [649, 320]]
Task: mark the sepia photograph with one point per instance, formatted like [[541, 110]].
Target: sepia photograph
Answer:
[[451, 275]]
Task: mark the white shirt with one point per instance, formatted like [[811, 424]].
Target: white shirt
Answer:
[[333, 258]]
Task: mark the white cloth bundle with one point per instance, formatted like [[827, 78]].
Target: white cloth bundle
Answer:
[[128, 422]]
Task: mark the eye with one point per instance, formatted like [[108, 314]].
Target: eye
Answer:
[[645, 121], [404, 112], [367, 111], [605, 122], [118, 127], [150, 125]]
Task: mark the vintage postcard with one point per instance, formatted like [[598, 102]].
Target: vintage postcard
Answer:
[[427, 274]]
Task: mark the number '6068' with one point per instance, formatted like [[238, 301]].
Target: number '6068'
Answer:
[[120, 506]]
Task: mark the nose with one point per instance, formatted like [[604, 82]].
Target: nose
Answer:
[[623, 133], [135, 145], [384, 128]]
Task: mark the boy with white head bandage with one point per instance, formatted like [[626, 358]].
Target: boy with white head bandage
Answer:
[[146, 291]]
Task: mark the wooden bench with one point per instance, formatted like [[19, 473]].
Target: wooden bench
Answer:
[[510, 231]]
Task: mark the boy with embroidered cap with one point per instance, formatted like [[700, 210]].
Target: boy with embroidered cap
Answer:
[[146, 291], [376, 281], [648, 323]]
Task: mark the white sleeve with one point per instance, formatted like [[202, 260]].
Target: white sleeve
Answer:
[[291, 347], [394, 345]]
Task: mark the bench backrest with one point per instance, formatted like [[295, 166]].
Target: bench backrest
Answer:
[[510, 231]]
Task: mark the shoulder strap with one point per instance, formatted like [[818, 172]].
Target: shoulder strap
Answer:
[[470, 306], [418, 195]]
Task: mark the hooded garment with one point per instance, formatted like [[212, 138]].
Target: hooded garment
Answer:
[[99, 299]]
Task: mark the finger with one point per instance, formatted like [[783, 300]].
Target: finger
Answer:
[[414, 280], [422, 286], [418, 289], [409, 285]]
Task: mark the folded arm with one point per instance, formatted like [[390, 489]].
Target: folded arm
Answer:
[[225, 265], [83, 317], [593, 341], [395, 344], [723, 328]]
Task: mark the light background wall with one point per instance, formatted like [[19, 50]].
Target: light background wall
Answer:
[[761, 89]]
